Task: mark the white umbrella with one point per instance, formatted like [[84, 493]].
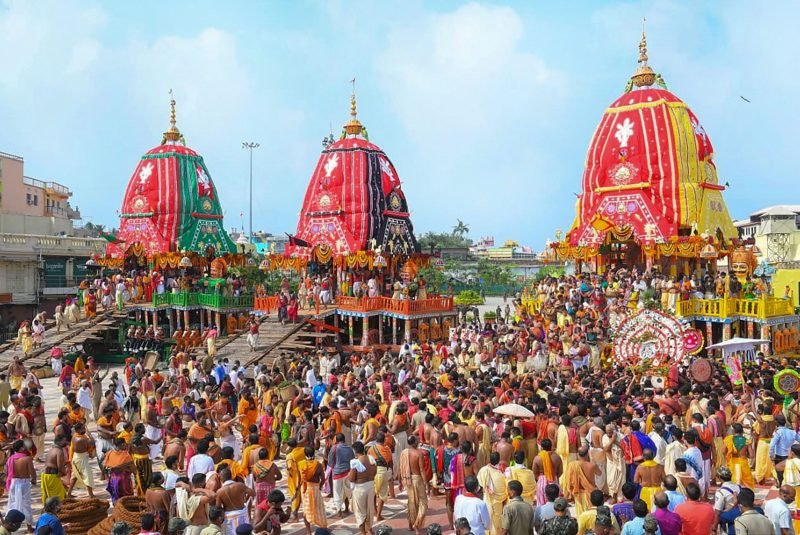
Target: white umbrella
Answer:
[[738, 343], [514, 410]]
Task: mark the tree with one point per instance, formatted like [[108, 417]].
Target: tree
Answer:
[[461, 229], [492, 273], [430, 241]]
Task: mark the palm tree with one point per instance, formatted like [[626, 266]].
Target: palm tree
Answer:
[[461, 229]]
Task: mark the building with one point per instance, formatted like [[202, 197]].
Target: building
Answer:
[[32, 206], [264, 243], [776, 232], [41, 261]]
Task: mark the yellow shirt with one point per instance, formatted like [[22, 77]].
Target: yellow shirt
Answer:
[[587, 518]]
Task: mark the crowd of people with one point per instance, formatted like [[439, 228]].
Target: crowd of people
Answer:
[[605, 449]]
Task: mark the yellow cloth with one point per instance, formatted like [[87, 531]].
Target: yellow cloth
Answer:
[[16, 380], [547, 465], [739, 466], [587, 519], [248, 413], [371, 422], [562, 449], [646, 494], [528, 481], [484, 446], [232, 465], [293, 481], [495, 495], [81, 471], [765, 469], [718, 455], [314, 505], [52, 485], [417, 502], [382, 478], [244, 466], [576, 486], [648, 424]]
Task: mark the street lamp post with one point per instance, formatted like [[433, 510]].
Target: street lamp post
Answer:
[[250, 146]]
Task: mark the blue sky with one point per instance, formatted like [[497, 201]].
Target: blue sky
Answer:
[[485, 108]]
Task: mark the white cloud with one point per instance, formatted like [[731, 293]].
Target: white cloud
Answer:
[[464, 85]]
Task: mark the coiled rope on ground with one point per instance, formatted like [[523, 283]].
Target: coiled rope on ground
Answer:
[[82, 515]]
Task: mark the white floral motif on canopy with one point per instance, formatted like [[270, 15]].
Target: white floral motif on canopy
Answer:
[[649, 335]]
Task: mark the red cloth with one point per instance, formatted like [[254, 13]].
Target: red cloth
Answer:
[[528, 428], [350, 197], [642, 133]]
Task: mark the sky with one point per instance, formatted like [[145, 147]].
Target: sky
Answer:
[[486, 109]]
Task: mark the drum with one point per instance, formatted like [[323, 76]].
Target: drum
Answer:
[[701, 370]]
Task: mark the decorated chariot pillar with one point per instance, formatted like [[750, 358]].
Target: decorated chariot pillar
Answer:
[[766, 334], [407, 333], [726, 332], [185, 319], [350, 329], [365, 331], [709, 333], [394, 330]]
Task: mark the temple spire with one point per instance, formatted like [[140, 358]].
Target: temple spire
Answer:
[[353, 126], [644, 75], [172, 134]]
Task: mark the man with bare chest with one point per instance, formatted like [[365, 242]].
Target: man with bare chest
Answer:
[[649, 475], [232, 497], [22, 476], [547, 469], [158, 501], [82, 449], [55, 467], [505, 449], [153, 428], [177, 447], [579, 480], [193, 505], [412, 469]]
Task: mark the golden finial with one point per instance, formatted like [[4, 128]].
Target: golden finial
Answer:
[[644, 75], [173, 134], [353, 126]]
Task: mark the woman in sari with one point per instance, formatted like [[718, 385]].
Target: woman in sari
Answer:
[[120, 466], [738, 452]]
